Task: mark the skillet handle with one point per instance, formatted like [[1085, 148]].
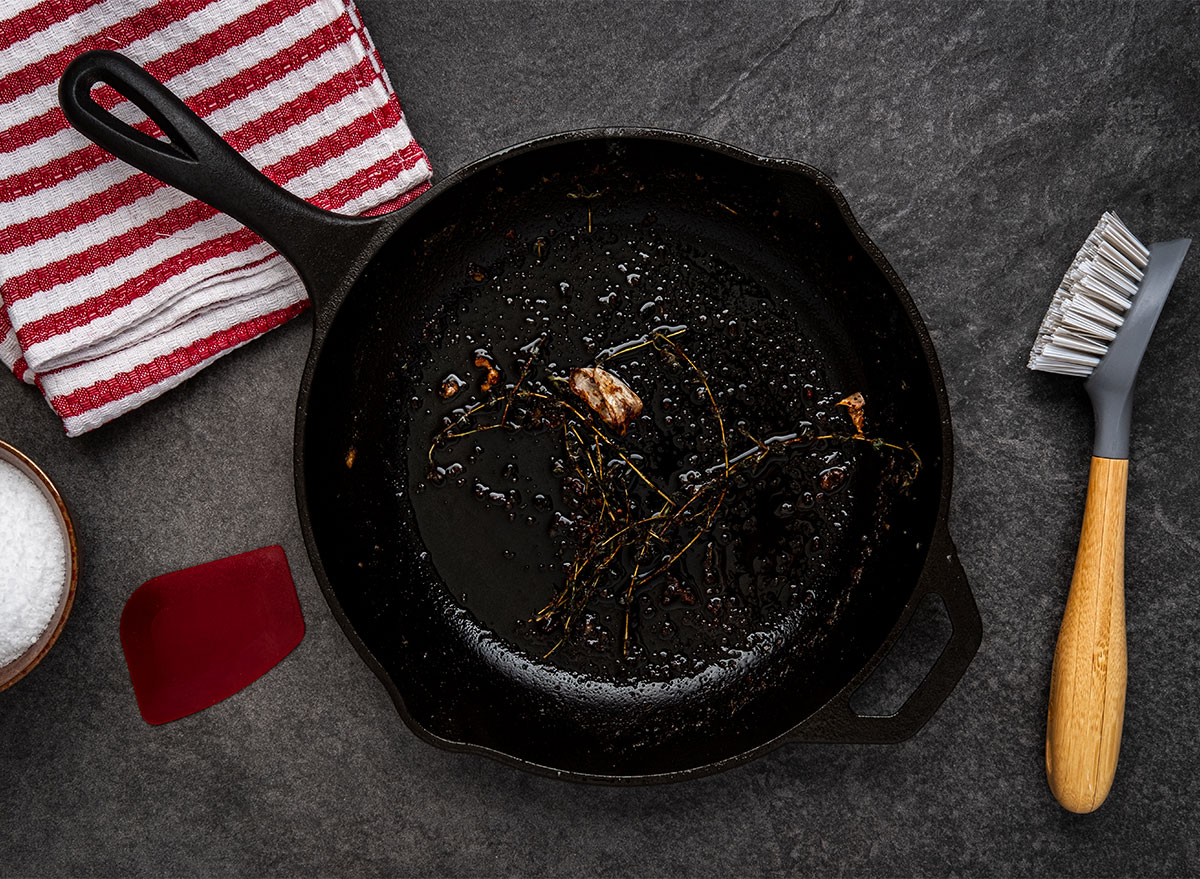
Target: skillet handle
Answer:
[[942, 575], [323, 247]]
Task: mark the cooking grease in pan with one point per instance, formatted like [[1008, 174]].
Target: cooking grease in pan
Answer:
[[729, 502]]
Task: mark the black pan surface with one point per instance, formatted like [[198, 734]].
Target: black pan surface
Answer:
[[766, 277], [573, 246]]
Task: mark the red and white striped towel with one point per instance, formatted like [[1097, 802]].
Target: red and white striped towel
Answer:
[[116, 287]]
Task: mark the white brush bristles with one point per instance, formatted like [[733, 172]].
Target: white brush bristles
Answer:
[[1089, 305]]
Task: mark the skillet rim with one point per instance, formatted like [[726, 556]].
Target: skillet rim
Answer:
[[327, 304]]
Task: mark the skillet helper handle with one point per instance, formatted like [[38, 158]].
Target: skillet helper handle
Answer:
[[943, 576], [1087, 683], [321, 245]]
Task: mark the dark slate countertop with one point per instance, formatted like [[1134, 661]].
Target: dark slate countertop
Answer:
[[977, 144]]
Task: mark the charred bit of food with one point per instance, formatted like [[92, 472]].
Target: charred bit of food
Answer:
[[855, 404], [493, 373], [451, 385], [607, 396]]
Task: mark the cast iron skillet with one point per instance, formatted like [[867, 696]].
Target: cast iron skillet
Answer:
[[383, 287]]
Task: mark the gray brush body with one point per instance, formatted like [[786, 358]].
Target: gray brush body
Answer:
[[1110, 385]]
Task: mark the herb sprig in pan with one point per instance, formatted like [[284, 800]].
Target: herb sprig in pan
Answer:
[[611, 525]]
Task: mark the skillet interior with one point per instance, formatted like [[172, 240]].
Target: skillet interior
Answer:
[[777, 226]]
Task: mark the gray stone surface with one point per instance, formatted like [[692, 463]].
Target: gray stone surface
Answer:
[[977, 144]]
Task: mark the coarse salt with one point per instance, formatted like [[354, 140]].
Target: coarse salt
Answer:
[[33, 562]]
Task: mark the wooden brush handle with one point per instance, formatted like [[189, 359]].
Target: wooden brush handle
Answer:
[[1087, 683]]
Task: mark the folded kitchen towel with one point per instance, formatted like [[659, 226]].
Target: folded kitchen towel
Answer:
[[116, 287]]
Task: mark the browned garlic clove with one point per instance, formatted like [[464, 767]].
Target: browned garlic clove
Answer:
[[607, 395]]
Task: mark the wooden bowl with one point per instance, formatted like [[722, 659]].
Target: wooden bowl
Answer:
[[21, 666]]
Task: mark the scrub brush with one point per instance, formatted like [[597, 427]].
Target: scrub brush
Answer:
[[1098, 325]]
